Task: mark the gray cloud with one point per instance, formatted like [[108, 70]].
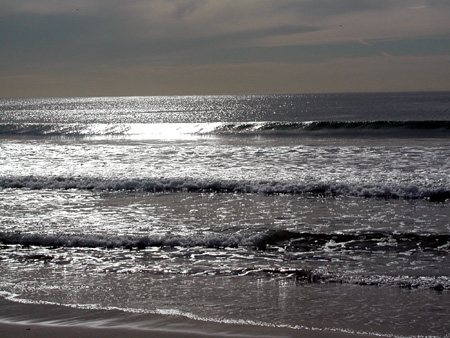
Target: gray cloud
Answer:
[[97, 37], [328, 8], [64, 38]]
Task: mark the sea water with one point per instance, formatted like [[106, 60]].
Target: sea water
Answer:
[[324, 212]]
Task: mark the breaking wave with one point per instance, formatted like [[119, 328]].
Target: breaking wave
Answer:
[[105, 241], [437, 193], [319, 243], [292, 241]]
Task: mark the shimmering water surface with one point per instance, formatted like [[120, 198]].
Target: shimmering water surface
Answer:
[[325, 212]]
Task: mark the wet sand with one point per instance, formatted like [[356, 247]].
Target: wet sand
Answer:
[[31, 320], [39, 330]]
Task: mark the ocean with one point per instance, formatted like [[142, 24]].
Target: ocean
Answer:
[[320, 212]]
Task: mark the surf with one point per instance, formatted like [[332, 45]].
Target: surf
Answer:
[[188, 184]]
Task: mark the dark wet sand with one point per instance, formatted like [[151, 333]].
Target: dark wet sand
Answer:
[[31, 320]]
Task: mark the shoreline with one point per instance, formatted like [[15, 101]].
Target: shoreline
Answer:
[[36, 320]]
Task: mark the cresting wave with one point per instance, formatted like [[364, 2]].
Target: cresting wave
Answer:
[[285, 240], [138, 242], [378, 128], [161, 184]]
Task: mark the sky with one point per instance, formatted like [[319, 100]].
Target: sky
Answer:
[[207, 47]]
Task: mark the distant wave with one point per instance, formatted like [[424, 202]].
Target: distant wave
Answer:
[[155, 130], [336, 125], [161, 184], [63, 129]]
